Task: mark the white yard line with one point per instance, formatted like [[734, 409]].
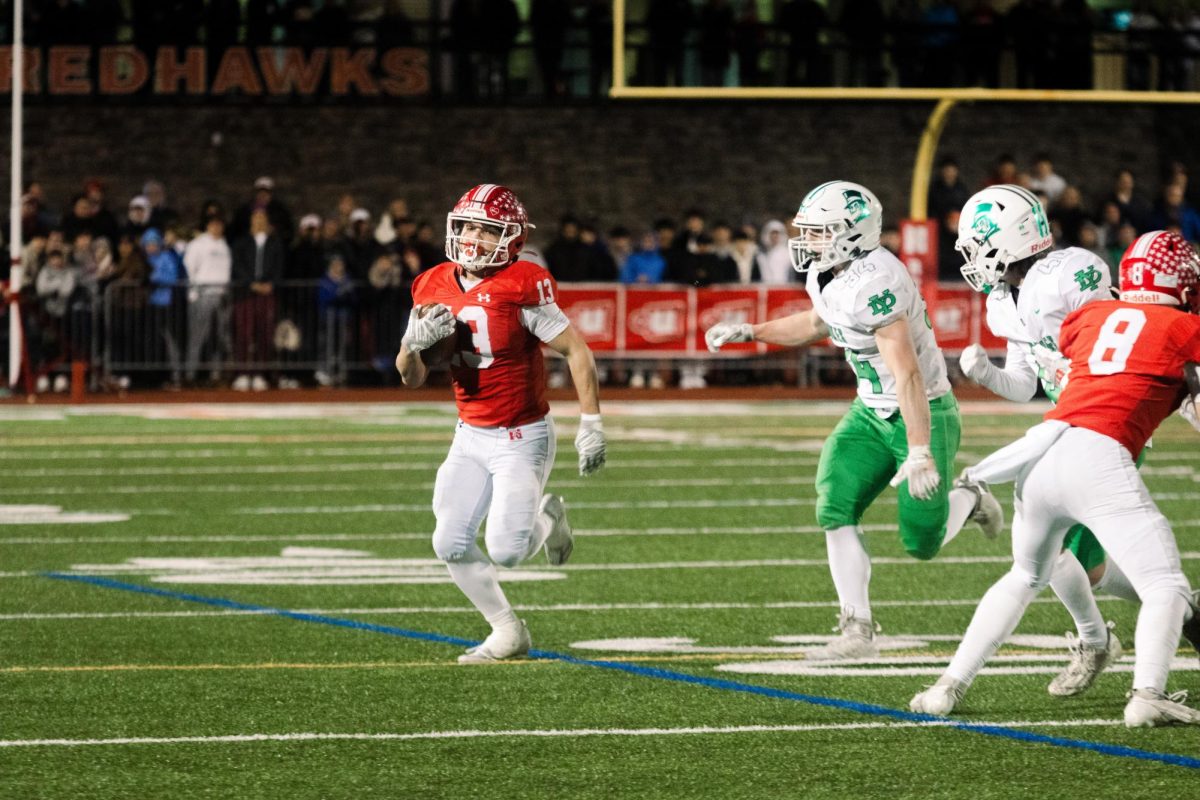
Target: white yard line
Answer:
[[389, 466], [384, 570], [251, 538], [557, 608], [246, 738], [617, 505], [255, 488]]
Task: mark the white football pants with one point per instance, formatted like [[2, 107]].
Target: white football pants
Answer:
[[1089, 478], [497, 473]]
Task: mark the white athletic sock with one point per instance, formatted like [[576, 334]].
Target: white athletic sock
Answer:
[[1070, 582], [1158, 628], [962, 503], [995, 619], [850, 568], [1114, 582], [475, 575]]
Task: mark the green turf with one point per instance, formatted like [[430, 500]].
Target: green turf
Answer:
[[688, 535]]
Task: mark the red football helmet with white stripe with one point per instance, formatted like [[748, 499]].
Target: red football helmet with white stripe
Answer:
[[1161, 267], [487, 228]]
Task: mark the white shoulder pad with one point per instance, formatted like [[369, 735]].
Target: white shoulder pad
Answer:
[[885, 291], [1082, 277]]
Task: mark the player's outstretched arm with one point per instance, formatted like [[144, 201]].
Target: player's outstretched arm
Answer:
[[1016, 382], [919, 469], [794, 330], [589, 441]]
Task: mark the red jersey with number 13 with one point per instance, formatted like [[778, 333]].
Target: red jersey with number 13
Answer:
[[499, 375], [1127, 363]]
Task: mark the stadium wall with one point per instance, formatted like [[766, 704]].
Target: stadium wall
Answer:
[[621, 163]]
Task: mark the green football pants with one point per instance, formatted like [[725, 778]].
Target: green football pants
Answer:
[[864, 452]]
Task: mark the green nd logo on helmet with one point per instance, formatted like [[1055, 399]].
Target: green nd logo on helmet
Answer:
[[838, 221], [999, 226]]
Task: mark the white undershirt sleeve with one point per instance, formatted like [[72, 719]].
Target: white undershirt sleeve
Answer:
[[545, 322]]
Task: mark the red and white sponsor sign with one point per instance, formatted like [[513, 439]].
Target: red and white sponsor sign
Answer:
[[671, 320], [782, 301], [658, 319], [595, 314], [733, 305]]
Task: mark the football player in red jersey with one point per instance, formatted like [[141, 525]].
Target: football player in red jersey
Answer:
[[501, 310], [1128, 360]]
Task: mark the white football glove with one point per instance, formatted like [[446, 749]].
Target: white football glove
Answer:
[[424, 332], [920, 472], [725, 332], [590, 444], [974, 363], [1056, 368]]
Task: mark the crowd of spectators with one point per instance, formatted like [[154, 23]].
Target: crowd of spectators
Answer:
[[908, 43], [253, 297]]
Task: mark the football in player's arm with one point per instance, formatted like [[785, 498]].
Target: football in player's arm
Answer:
[[1127, 359], [902, 429], [497, 312]]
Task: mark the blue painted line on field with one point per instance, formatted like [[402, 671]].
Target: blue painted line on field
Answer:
[[869, 709]]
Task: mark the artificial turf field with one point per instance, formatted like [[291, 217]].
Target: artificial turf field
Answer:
[[241, 602]]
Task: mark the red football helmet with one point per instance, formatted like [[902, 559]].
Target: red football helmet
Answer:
[[495, 215], [1158, 268]]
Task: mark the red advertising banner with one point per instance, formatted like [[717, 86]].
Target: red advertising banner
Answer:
[[953, 317], [659, 319], [595, 313], [671, 320], [783, 301], [732, 304]]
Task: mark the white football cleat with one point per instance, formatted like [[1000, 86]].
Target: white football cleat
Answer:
[[988, 513], [939, 699], [1086, 663], [857, 640], [509, 641], [1149, 708], [561, 540], [1191, 628]]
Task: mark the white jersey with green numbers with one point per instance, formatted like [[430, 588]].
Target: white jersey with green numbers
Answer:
[[1033, 315], [873, 292]]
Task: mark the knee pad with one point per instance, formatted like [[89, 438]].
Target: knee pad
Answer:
[[1028, 579], [506, 555], [451, 545]]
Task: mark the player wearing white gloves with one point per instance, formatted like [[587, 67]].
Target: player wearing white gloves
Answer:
[[501, 311], [1005, 239], [902, 429]]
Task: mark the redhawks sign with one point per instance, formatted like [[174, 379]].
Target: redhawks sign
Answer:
[[671, 320], [121, 70]]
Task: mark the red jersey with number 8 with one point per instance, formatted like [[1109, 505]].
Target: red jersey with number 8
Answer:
[[499, 375], [1127, 363]]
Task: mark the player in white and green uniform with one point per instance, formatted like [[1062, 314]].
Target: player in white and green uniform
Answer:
[[902, 429], [1005, 238]]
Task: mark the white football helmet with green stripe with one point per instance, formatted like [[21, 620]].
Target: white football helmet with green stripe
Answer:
[[838, 221], [999, 226]]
